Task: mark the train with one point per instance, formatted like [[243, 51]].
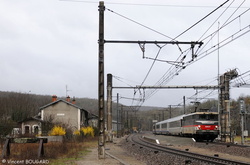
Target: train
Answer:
[[202, 126]]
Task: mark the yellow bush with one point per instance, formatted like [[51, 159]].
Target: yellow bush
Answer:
[[77, 132], [57, 131], [88, 131]]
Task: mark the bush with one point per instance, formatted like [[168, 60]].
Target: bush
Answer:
[[88, 131], [77, 132], [57, 131]]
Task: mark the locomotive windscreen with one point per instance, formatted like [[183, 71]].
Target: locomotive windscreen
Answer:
[[208, 117]]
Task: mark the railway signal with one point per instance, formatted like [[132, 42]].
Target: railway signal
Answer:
[[242, 106]]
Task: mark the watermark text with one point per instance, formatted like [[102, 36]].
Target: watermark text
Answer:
[[25, 161]]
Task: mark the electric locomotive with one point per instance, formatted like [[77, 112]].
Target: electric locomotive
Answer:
[[199, 125]]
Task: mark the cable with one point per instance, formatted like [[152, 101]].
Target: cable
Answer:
[[139, 24], [165, 36], [201, 20], [119, 79], [151, 66], [174, 70], [226, 23], [223, 43], [145, 4], [215, 21], [164, 80], [240, 80]]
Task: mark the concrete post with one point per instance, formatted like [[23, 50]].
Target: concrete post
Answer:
[[101, 121], [109, 108]]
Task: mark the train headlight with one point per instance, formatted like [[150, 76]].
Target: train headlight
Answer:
[[198, 127], [216, 127]]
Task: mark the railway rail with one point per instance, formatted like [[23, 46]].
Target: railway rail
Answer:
[[137, 140], [223, 144]]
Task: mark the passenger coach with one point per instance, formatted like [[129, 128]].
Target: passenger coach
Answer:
[[199, 125]]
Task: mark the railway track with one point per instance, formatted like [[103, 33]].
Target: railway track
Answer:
[[137, 140], [223, 144]]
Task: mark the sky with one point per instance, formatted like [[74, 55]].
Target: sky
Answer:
[[46, 45]]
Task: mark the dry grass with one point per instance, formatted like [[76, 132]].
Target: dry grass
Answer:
[[55, 152], [238, 139]]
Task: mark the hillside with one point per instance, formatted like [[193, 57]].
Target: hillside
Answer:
[[18, 106], [16, 102]]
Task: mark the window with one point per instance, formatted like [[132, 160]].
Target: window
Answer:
[[213, 117], [189, 120], [175, 124], [203, 117], [164, 125], [208, 117], [35, 129]]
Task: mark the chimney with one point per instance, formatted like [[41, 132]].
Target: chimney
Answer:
[[68, 99], [54, 98], [74, 100]]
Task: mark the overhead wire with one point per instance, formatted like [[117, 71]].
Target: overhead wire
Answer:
[[200, 39], [241, 80], [163, 77], [120, 79], [232, 35], [155, 59], [151, 66], [214, 79], [148, 4], [140, 24], [151, 30], [224, 42], [226, 23], [201, 20]]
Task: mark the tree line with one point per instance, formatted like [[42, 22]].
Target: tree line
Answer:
[[16, 106]]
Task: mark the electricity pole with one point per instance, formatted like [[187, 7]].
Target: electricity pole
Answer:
[[224, 104], [242, 113], [184, 105], [170, 111], [109, 108], [117, 115], [101, 121]]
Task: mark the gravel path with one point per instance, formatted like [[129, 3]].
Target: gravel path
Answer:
[[115, 155], [122, 153]]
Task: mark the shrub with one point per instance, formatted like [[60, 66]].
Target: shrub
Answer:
[[77, 132], [87, 131], [57, 131]]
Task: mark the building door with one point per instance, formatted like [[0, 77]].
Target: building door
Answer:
[[27, 129]]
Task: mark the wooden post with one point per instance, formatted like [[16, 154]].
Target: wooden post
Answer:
[[6, 149], [41, 148]]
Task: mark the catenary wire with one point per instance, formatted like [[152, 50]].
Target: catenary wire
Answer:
[[140, 24], [144, 79], [148, 4], [184, 33], [201, 20]]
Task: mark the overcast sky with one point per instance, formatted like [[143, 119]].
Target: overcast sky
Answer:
[[48, 44]]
